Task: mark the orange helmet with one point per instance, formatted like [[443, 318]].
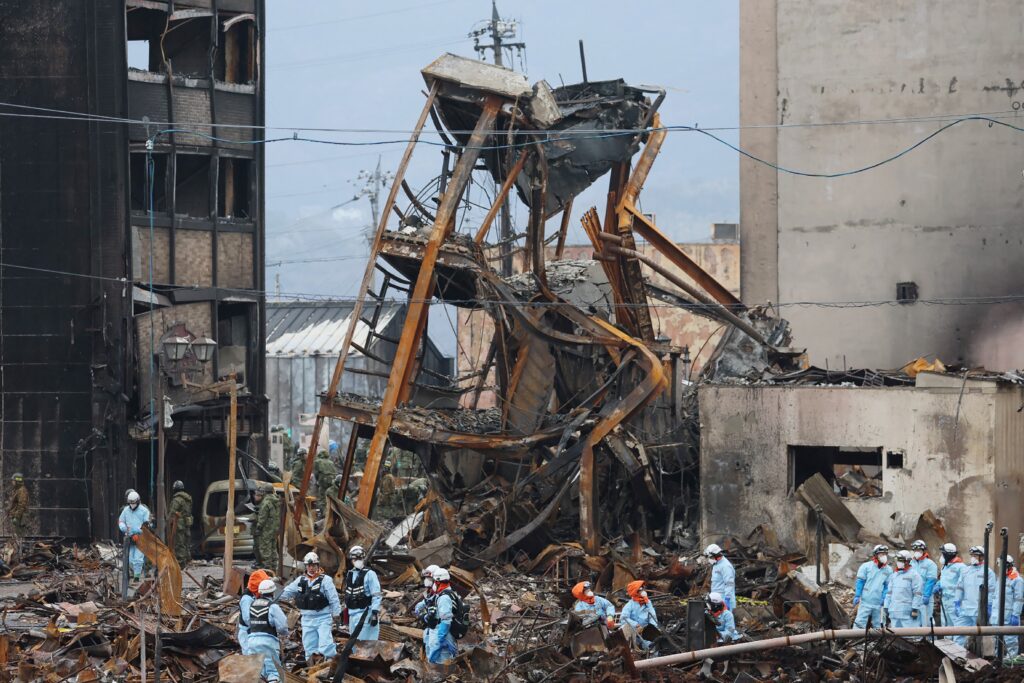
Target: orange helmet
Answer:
[[254, 580], [580, 589], [633, 588]]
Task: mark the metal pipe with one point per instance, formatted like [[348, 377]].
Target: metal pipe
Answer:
[[984, 602], [1004, 532], [829, 635]]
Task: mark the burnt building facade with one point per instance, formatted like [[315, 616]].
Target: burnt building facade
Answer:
[[131, 214]]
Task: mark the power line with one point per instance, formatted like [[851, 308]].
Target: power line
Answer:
[[346, 20]]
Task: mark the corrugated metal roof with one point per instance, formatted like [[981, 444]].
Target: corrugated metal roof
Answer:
[[318, 327]]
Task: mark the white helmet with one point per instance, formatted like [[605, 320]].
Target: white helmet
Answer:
[[949, 549], [715, 597], [311, 558], [267, 587], [441, 575], [1009, 560], [712, 550], [133, 497], [356, 551], [429, 571]]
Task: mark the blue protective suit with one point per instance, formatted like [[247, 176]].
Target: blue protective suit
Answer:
[[723, 581], [968, 594], [243, 622], [872, 583], [905, 593], [1011, 609], [725, 624], [443, 646], [264, 643], [420, 610], [637, 616], [601, 608], [317, 635], [371, 584], [929, 572], [948, 580], [130, 523]]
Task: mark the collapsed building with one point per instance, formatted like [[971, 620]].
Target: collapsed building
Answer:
[[592, 403]]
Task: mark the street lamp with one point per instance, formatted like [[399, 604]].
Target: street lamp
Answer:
[[203, 347], [175, 348]]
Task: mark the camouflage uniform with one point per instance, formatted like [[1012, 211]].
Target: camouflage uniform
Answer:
[[333, 491], [18, 508], [268, 524], [325, 471], [298, 467], [181, 515]]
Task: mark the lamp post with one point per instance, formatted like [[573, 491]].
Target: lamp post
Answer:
[[176, 349]]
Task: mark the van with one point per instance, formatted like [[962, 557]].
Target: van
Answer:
[[215, 510]]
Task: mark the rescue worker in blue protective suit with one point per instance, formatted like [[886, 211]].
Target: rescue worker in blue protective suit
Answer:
[[929, 572], [362, 592], [252, 589], [443, 646], [424, 606], [1011, 606], [904, 599], [723, 576], [133, 517], [952, 567], [725, 622], [872, 583], [588, 603], [637, 613], [317, 599], [267, 625], [968, 592]]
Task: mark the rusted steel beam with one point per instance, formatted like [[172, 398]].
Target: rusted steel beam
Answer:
[[499, 201], [350, 456], [419, 300], [563, 229], [643, 166], [364, 286], [485, 370], [649, 231]]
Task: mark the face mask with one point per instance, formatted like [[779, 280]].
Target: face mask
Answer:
[[589, 594], [975, 560], [900, 564], [427, 582], [883, 558], [358, 564], [133, 506], [643, 594], [942, 560], [918, 554]]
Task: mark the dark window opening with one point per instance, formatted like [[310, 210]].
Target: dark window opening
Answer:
[[854, 472], [140, 182], [233, 188], [236, 56], [192, 185], [233, 339], [143, 28], [894, 460], [906, 292], [187, 45]]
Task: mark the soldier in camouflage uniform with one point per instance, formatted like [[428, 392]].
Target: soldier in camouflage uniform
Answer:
[[268, 526], [181, 518], [325, 471], [17, 505], [298, 466]]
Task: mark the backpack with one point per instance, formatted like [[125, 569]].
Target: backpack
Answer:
[[460, 615]]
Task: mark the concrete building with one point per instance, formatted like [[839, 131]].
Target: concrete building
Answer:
[[115, 238], [720, 258], [943, 444], [942, 222], [304, 339]]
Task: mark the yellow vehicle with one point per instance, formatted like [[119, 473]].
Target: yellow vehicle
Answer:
[[215, 509]]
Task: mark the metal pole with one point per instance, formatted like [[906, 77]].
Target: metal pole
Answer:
[[983, 604], [161, 481], [818, 538], [724, 651], [157, 646], [142, 643], [583, 61], [229, 523], [1004, 532]]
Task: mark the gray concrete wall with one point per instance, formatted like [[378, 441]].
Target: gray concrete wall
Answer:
[[961, 455], [948, 216]]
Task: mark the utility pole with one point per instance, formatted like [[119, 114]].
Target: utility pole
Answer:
[[499, 31], [373, 182]]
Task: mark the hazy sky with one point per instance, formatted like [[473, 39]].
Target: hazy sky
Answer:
[[356, 65]]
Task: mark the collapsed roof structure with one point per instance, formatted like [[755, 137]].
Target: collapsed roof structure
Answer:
[[589, 398]]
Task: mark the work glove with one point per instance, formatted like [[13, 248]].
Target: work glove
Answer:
[[1014, 621], [856, 601], [135, 538], [956, 608], [611, 623], [914, 614], [442, 631], [374, 618]]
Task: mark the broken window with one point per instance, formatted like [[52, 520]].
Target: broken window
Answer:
[[854, 472], [894, 460], [192, 185], [233, 339], [233, 188], [186, 42], [236, 57], [143, 28], [140, 182]]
